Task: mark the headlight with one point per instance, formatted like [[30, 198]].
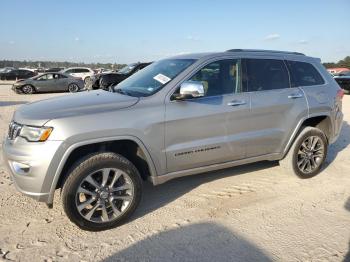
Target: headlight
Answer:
[[35, 134]]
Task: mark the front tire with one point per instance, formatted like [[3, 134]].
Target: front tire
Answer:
[[307, 154], [102, 191], [28, 89]]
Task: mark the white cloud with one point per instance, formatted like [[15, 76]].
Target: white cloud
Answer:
[[77, 38], [11, 42], [303, 42], [272, 37], [192, 38]]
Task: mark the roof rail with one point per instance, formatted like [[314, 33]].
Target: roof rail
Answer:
[[264, 51]]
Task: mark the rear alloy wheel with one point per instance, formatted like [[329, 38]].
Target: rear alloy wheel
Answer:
[[308, 153], [27, 89], [73, 88], [87, 80], [101, 192]]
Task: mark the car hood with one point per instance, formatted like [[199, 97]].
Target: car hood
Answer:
[[91, 102]]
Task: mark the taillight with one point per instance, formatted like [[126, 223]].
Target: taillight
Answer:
[[340, 93]]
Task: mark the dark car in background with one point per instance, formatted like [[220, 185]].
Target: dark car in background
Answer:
[[49, 82], [343, 80], [17, 74], [105, 80]]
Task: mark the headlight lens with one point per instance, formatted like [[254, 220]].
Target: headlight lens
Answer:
[[35, 134]]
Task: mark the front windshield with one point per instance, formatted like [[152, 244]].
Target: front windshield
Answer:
[[153, 77], [126, 69]]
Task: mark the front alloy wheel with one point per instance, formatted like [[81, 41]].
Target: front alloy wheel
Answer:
[[104, 195], [102, 191]]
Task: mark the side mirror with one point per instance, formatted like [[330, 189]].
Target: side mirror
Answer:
[[190, 89]]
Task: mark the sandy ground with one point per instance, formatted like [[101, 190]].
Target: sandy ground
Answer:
[[250, 213]]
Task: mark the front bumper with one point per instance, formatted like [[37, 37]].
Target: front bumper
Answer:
[[31, 166]]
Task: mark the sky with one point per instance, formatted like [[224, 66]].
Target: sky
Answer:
[[131, 31]]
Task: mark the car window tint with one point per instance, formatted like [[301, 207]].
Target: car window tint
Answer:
[[264, 74], [218, 78], [304, 74]]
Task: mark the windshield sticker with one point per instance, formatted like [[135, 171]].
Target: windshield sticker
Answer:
[[162, 78]]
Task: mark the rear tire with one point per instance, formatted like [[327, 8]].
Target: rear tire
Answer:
[[101, 191], [307, 154], [87, 80], [28, 89]]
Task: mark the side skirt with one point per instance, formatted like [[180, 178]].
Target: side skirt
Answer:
[[157, 180]]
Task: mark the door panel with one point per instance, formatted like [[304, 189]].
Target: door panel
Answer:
[[205, 131], [274, 115], [276, 108]]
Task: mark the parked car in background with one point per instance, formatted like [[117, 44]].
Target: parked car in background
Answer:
[[337, 70], [54, 69], [6, 69], [179, 116], [105, 80], [49, 82], [84, 73], [343, 80], [16, 74]]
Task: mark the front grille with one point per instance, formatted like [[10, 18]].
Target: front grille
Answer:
[[14, 130]]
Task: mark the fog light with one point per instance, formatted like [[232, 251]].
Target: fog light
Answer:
[[20, 168]]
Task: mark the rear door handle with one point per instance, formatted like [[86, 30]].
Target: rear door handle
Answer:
[[293, 96], [236, 103]]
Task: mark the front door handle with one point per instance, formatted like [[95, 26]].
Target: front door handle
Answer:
[[293, 96], [236, 103]]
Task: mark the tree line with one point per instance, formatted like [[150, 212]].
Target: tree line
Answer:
[[342, 63], [51, 64]]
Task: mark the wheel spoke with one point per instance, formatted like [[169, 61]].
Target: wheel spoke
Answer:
[[304, 164], [117, 175], [86, 191], [105, 175], [120, 188], [92, 211], [314, 142], [104, 213], [125, 198], [92, 182], [313, 162], [115, 209]]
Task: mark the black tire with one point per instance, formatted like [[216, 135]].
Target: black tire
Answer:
[[290, 161], [73, 88], [81, 170], [28, 89]]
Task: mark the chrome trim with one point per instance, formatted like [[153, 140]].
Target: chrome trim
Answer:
[[192, 88], [14, 130]]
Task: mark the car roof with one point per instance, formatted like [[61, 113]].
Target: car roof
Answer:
[[247, 52], [77, 67]]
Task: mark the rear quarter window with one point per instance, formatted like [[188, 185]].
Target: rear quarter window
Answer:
[[304, 74]]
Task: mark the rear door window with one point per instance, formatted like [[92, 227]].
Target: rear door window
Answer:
[[304, 74], [264, 74]]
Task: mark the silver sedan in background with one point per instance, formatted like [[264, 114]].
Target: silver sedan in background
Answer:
[[49, 82]]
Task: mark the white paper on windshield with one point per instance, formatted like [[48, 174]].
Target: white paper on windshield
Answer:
[[162, 78]]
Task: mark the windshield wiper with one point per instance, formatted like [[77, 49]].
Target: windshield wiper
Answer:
[[121, 91]]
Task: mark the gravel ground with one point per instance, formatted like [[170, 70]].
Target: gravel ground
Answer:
[[250, 213]]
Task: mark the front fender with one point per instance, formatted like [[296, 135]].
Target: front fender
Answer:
[[72, 147]]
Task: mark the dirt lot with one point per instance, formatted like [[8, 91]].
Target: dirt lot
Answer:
[[250, 213]]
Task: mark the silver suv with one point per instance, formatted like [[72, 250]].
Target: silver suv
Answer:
[[179, 116]]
